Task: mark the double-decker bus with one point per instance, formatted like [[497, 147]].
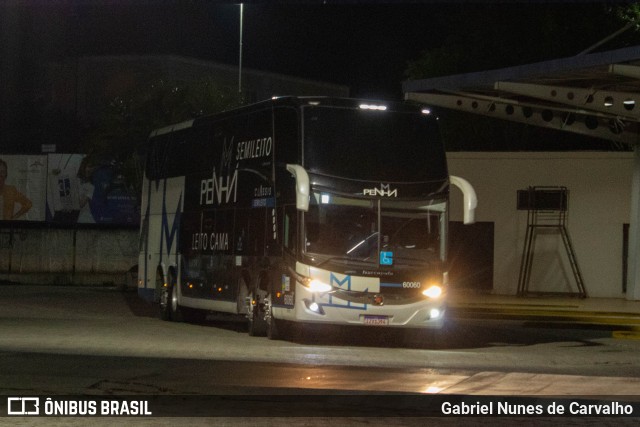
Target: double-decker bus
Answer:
[[300, 209]]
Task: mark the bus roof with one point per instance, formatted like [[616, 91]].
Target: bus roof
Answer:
[[292, 101]]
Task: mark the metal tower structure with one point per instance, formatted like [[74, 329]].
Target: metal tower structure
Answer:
[[546, 209]]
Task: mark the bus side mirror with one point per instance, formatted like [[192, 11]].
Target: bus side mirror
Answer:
[[302, 186], [470, 200]]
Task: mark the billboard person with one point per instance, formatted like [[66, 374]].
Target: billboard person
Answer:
[[9, 196], [85, 192]]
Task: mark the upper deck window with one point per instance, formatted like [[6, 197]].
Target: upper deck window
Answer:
[[373, 144]]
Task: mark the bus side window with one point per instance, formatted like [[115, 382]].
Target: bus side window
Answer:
[[250, 232], [290, 229], [312, 223]]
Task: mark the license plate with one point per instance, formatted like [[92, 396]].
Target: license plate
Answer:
[[376, 320]]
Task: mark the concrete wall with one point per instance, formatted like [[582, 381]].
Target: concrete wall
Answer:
[[599, 205], [49, 256]]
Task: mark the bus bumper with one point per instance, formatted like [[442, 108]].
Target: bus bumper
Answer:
[[317, 308]]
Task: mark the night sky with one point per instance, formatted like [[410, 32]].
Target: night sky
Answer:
[[363, 45]]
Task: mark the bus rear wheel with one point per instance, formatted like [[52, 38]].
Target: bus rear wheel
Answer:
[[176, 310], [169, 307], [273, 325], [165, 295], [256, 315]]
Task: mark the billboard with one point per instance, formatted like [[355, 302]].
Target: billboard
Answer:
[[23, 184], [85, 192], [65, 189]]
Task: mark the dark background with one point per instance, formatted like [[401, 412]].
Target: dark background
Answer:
[[361, 44], [371, 47]]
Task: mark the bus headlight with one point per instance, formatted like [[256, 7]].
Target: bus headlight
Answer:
[[432, 292], [316, 285]]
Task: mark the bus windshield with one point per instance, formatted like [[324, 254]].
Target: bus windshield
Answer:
[[350, 143], [377, 232]]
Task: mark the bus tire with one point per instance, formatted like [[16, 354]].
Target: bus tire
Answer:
[[257, 324], [274, 325], [174, 307], [165, 295]]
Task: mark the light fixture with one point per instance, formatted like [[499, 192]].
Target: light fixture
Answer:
[[316, 285], [313, 306], [373, 107], [432, 292]]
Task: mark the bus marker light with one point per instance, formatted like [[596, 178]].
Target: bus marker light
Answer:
[[378, 299], [373, 107]]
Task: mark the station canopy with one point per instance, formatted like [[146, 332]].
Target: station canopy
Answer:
[[594, 94]]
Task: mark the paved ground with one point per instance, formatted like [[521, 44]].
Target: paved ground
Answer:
[[100, 340], [615, 312]]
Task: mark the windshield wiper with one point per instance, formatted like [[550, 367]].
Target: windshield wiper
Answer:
[[345, 259], [397, 260]]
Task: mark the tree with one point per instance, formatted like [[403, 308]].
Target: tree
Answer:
[[128, 119], [482, 38]]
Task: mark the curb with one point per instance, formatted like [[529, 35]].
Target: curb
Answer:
[[551, 314]]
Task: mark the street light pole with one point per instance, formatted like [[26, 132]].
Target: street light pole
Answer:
[[240, 54]]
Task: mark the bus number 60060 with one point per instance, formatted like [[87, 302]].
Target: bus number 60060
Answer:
[[411, 284]]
